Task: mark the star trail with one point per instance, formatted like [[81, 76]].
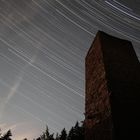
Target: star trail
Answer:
[[43, 44]]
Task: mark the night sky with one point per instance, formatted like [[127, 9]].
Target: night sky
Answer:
[[43, 44]]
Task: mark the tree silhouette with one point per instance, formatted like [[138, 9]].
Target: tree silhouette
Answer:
[[75, 133], [38, 138], [63, 135], [6, 136], [71, 134], [79, 131], [25, 139], [51, 137], [46, 135]]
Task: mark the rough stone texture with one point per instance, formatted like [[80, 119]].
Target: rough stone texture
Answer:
[[112, 89]]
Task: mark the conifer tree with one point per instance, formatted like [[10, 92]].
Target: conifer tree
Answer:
[[6, 136], [46, 135], [71, 134], [63, 135]]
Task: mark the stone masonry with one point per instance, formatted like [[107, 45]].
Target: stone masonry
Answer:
[[112, 89]]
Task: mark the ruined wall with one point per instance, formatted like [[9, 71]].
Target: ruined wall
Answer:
[[112, 89], [98, 116]]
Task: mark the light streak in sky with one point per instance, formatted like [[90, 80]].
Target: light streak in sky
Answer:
[[133, 16], [10, 95], [42, 50], [28, 112], [31, 39], [14, 89], [122, 5], [74, 22], [76, 15], [18, 81], [31, 63]]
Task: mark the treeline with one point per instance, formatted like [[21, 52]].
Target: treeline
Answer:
[[6, 136], [75, 133]]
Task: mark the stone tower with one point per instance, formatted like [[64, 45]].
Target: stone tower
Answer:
[[112, 89]]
